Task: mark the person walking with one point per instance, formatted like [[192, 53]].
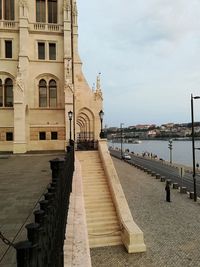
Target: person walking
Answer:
[[167, 189]]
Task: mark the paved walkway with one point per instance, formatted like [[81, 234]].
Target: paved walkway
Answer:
[[23, 180], [171, 230]]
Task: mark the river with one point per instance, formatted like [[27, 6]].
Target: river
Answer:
[[181, 152]]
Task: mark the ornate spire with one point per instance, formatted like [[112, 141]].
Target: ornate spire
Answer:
[[98, 85], [98, 93], [75, 13]]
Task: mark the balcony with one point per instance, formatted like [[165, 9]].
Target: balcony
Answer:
[[8, 24], [45, 27]]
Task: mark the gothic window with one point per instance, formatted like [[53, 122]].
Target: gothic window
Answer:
[[52, 51], [9, 136], [52, 93], [9, 13], [52, 11], [42, 135], [46, 50], [0, 9], [7, 10], [41, 50], [1, 94], [8, 49], [8, 93], [47, 93], [54, 135], [42, 93], [46, 11]]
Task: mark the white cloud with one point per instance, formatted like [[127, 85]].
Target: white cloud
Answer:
[[148, 53]]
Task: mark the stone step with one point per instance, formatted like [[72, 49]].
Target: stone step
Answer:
[[101, 217], [108, 223], [103, 241], [97, 209], [108, 217], [103, 229], [98, 199], [100, 205], [92, 217]]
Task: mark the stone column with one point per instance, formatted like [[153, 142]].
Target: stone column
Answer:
[[20, 88], [68, 86]]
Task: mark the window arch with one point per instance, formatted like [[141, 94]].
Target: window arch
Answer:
[[42, 93], [8, 93], [52, 93], [47, 93]]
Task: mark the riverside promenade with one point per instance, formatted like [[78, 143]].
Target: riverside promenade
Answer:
[[171, 230]]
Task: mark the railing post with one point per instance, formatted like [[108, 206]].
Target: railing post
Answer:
[[33, 236], [23, 253]]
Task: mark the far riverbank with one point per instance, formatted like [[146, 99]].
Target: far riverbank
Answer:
[[181, 152]]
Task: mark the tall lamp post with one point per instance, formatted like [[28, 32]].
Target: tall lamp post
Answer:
[[70, 115], [170, 149], [121, 137], [101, 114], [193, 146]]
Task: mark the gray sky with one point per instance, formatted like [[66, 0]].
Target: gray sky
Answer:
[[148, 53]]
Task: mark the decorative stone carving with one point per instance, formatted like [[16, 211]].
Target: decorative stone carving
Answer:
[[19, 88], [23, 8], [66, 5], [23, 3], [98, 82]]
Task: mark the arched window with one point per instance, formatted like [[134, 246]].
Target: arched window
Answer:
[[42, 93], [52, 93], [1, 93], [7, 9], [8, 93]]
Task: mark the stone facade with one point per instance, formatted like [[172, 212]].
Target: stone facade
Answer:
[[41, 78]]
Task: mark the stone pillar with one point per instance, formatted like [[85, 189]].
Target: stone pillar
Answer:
[[20, 88], [68, 86]]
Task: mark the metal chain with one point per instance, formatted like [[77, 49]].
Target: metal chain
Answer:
[[5, 240]]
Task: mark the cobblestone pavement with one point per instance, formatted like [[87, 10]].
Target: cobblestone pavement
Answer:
[[171, 230], [23, 179]]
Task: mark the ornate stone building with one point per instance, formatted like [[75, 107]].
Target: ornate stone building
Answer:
[[41, 77]]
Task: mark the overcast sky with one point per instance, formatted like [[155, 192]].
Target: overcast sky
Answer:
[[148, 53]]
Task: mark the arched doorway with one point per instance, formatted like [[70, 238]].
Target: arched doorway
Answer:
[[85, 129]]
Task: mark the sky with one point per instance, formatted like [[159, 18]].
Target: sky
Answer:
[[148, 54]]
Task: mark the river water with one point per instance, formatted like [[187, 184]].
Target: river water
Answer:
[[181, 152]]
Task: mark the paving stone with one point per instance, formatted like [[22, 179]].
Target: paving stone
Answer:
[[23, 179], [171, 230]]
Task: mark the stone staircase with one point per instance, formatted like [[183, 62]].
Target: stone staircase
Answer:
[[101, 217]]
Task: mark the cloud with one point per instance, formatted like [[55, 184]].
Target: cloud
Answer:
[[148, 53]]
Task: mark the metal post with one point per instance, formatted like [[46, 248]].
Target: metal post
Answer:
[[193, 149], [72, 56], [170, 150], [121, 138], [70, 130]]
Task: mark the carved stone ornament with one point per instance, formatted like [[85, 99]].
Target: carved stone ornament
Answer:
[[66, 5], [19, 87], [68, 88], [23, 3]]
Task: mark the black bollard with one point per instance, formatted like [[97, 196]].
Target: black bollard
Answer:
[[23, 253], [56, 166], [33, 237]]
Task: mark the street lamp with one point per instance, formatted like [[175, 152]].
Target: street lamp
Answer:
[[70, 115], [170, 149], [101, 114], [193, 146], [121, 130]]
